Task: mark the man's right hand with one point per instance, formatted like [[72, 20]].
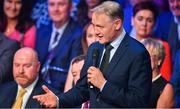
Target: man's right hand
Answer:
[[48, 99]]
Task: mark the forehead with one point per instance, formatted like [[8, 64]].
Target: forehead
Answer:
[[145, 12], [99, 18], [23, 56]]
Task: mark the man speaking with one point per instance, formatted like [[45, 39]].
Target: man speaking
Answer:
[[123, 77]]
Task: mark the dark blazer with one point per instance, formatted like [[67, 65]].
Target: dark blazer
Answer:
[[69, 47], [9, 92], [168, 31], [7, 49], [175, 80], [128, 79]]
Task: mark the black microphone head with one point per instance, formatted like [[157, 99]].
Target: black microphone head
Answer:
[[95, 57]]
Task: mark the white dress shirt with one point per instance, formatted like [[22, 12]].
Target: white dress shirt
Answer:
[[54, 31], [29, 90], [115, 45]]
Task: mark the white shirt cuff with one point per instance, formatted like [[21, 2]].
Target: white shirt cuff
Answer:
[[103, 86]]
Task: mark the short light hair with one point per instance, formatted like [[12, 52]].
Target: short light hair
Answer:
[[111, 9], [158, 48]]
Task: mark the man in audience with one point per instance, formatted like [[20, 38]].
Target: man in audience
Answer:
[[58, 43], [18, 93], [168, 27], [7, 49]]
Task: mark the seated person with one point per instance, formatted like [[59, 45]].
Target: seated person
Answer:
[[18, 93], [7, 49], [76, 66], [162, 93]]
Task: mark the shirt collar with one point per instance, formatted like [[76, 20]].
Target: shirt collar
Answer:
[[61, 29], [31, 86], [176, 20], [118, 40]]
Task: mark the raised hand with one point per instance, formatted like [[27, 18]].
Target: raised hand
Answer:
[[49, 99], [95, 77]]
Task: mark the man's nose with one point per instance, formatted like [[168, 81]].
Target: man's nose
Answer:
[[21, 70]]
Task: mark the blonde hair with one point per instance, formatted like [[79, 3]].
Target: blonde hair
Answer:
[[158, 48]]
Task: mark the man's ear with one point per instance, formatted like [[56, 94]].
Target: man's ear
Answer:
[[118, 24]]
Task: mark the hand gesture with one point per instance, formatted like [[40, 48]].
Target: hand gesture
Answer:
[[48, 99]]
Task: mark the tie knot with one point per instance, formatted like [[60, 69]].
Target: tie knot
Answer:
[[22, 91], [108, 47]]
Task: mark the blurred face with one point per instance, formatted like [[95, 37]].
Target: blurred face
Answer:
[[59, 10], [105, 28], [25, 68], [90, 35], [143, 23], [76, 69], [92, 3], [154, 57], [175, 7], [12, 8]]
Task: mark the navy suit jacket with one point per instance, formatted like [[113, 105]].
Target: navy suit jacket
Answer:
[[7, 49], [9, 91], [68, 47], [168, 31], [128, 79], [175, 80]]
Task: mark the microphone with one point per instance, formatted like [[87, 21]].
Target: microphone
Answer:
[[95, 54], [95, 57]]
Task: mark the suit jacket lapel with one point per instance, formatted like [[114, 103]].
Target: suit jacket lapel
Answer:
[[117, 56], [36, 91], [66, 35], [12, 95]]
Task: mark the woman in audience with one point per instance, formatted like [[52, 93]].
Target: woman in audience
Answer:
[[15, 21], [162, 93], [87, 39], [143, 21]]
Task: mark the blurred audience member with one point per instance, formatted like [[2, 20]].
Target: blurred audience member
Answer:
[[88, 37], [168, 27], [176, 79], [15, 21], [128, 13], [27, 82], [7, 49], [58, 43], [74, 71], [84, 10], [162, 94], [143, 21]]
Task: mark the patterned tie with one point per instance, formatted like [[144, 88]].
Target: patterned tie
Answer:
[[55, 40], [19, 100], [105, 60], [45, 68]]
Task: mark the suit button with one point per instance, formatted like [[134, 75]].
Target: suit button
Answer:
[[97, 99]]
